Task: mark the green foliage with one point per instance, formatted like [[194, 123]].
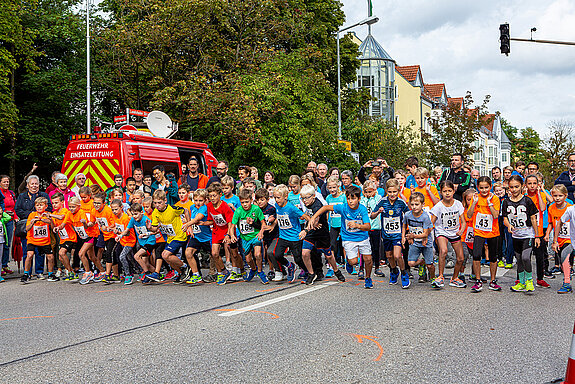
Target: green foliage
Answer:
[[556, 148]]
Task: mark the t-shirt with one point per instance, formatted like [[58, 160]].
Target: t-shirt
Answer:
[[417, 226], [540, 211], [202, 233], [483, 223], [269, 211], [105, 219], [447, 223], [233, 201], [67, 232], [323, 230], [348, 216], [469, 235], [80, 227], [170, 223], [335, 218], [370, 203], [186, 206], [296, 201], [555, 214], [410, 182], [391, 218], [39, 234], [90, 211], [519, 215], [569, 216], [144, 236], [428, 204], [221, 216], [160, 237], [121, 224], [288, 221], [248, 231]]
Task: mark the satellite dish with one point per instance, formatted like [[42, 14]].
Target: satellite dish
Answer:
[[128, 127], [160, 124]]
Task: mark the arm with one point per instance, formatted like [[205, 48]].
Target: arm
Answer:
[[465, 184], [463, 225], [361, 173], [536, 229], [31, 224], [494, 212], [556, 235], [566, 181], [231, 233], [312, 219], [193, 221], [507, 224], [403, 232]]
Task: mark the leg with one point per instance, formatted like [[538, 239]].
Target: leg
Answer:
[[218, 262], [257, 252], [478, 243], [63, 255], [442, 246], [459, 258], [492, 257], [306, 256], [191, 260], [539, 262]]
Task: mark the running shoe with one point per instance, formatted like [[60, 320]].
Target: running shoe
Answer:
[[379, 272], [129, 279], [194, 279], [302, 275], [409, 274], [329, 273], [310, 278], [529, 286], [2, 279], [114, 279], [178, 279], [170, 275], [2, 273], [146, 280], [438, 283], [360, 275], [518, 287], [393, 277], [349, 268], [508, 266], [291, 272], [250, 275], [210, 278], [368, 283], [405, 282], [462, 278], [52, 277], [7, 271], [565, 288], [355, 270], [234, 276], [25, 278], [457, 283], [422, 274], [263, 278], [223, 277], [339, 275], [99, 277], [186, 273], [556, 270], [40, 276], [477, 287], [543, 284], [494, 286], [278, 276], [86, 278], [501, 264], [450, 264], [71, 277], [548, 275], [154, 277], [107, 279]]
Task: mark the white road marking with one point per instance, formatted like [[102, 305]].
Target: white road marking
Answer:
[[277, 299], [500, 273]]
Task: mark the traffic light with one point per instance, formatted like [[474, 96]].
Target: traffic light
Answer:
[[504, 38]]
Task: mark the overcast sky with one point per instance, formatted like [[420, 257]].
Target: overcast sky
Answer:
[[457, 43]]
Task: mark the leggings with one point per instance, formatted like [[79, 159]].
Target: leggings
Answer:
[[335, 241], [295, 248], [539, 258], [109, 254], [375, 242], [479, 242], [126, 259], [564, 256], [522, 248]]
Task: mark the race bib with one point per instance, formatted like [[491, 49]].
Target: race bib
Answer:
[[245, 228], [142, 231], [469, 236], [284, 222], [450, 221], [484, 222], [565, 232], [517, 222], [119, 228], [168, 230], [102, 222], [348, 222], [416, 230], [335, 215], [392, 225], [219, 220], [40, 232], [81, 231], [196, 229], [1, 230], [63, 234]]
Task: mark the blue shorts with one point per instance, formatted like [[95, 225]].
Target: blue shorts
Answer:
[[175, 245], [246, 246], [100, 243], [416, 250], [198, 245], [388, 244]]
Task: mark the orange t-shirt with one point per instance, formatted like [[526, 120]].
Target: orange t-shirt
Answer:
[[39, 234], [484, 225], [90, 211], [428, 204], [468, 235], [554, 217], [67, 232], [79, 227], [105, 218], [121, 224], [185, 205], [541, 210]]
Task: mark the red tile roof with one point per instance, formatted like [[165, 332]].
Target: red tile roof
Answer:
[[455, 100], [409, 72], [435, 90], [489, 126]]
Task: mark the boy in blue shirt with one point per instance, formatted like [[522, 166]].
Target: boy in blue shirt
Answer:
[[370, 200], [416, 230], [355, 226], [198, 229]]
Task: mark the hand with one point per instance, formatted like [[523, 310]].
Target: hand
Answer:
[[352, 225], [511, 228], [546, 238], [380, 210], [428, 186], [367, 164], [260, 236], [460, 233], [118, 238], [537, 242], [384, 164], [555, 246], [233, 238], [302, 235], [83, 221], [185, 226], [249, 220], [403, 240], [424, 242], [34, 167], [490, 196], [475, 198]]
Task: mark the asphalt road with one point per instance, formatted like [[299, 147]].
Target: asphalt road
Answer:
[[328, 333]]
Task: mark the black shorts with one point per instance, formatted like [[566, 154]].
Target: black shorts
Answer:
[[151, 248], [452, 240], [68, 245], [42, 249], [320, 242], [199, 245]]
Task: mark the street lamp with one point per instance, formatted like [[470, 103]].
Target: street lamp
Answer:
[[369, 21]]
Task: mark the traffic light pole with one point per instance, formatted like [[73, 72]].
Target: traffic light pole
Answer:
[[544, 41]]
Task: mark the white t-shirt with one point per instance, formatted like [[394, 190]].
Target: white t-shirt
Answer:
[[447, 223], [569, 216]]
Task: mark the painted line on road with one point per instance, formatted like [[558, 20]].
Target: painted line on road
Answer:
[[27, 317], [500, 273], [277, 299], [274, 316], [360, 339]]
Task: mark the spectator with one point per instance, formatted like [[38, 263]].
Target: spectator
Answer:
[[532, 168], [377, 168], [52, 185], [62, 187], [194, 178], [312, 166], [23, 186], [80, 180], [567, 178], [221, 171], [8, 203], [519, 169], [495, 175], [269, 177], [164, 183], [255, 176], [321, 174], [457, 175], [138, 175]]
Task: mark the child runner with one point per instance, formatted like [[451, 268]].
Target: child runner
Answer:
[[449, 221], [126, 238], [483, 212], [505, 240], [335, 197], [156, 256], [534, 192], [221, 215], [105, 220], [141, 224], [38, 227], [231, 249], [370, 200], [271, 230], [63, 227], [416, 231], [424, 187], [200, 234], [562, 221], [468, 236], [92, 231], [520, 217]]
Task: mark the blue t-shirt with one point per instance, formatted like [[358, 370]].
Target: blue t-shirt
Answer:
[[349, 215], [410, 182], [234, 201], [370, 204], [417, 225], [296, 201], [335, 218], [391, 218], [288, 221], [144, 236], [202, 233]]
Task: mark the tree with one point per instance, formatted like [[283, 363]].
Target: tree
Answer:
[[557, 146], [455, 129]]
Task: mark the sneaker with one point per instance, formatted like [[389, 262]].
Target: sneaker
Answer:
[[278, 276], [302, 275], [548, 274], [360, 275], [450, 264], [186, 273], [128, 280], [25, 278], [250, 275], [405, 282], [40, 276], [154, 277], [7, 271], [210, 278], [339, 275], [409, 274], [543, 284], [500, 264], [529, 286], [379, 272], [2, 273], [508, 266], [106, 280], [223, 277], [146, 280], [368, 283], [310, 278], [178, 279], [52, 277], [393, 277], [349, 268], [194, 279], [291, 272], [477, 287], [115, 279], [565, 288], [437, 283], [462, 278], [355, 270], [170, 275], [2, 279], [71, 277], [59, 273], [422, 274], [263, 278], [494, 286], [99, 277], [234, 276], [518, 287], [320, 275], [86, 278], [329, 273], [555, 270], [457, 283]]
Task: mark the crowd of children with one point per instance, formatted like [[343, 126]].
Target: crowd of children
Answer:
[[235, 229]]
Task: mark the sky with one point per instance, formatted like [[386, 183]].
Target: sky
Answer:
[[457, 43]]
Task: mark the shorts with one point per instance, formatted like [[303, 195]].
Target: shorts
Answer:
[[150, 248], [320, 243], [100, 242], [246, 246], [452, 240], [355, 248], [175, 245], [88, 240], [388, 244], [42, 249], [199, 245], [218, 235], [68, 245], [416, 250]]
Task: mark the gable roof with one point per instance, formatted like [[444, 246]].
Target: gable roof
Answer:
[[409, 72], [458, 101], [435, 90]]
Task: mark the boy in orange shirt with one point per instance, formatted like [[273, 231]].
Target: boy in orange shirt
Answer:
[[92, 231], [127, 239], [38, 235], [105, 220], [562, 237], [424, 187], [63, 226]]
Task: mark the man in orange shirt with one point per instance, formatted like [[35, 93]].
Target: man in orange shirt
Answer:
[[38, 228]]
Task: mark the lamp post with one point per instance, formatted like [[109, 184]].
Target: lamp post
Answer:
[[369, 21]]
